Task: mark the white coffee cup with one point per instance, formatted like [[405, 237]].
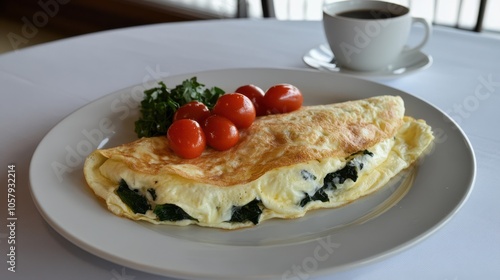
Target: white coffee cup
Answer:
[[372, 44]]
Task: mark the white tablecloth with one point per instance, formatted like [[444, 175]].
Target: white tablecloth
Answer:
[[43, 84]]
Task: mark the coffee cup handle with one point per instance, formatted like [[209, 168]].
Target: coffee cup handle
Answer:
[[427, 35]]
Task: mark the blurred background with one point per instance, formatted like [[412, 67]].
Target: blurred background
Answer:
[[25, 23]]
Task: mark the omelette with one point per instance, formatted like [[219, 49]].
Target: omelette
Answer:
[[284, 165]]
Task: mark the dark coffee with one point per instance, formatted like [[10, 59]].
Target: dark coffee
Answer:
[[368, 14]]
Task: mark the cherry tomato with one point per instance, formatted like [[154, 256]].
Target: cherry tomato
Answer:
[[186, 138], [237, 108], [193, 110], [256, 95], [283, 98], [221, 133]]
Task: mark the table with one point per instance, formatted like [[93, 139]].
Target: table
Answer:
[[41, 85]]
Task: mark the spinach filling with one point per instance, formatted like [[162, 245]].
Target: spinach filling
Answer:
[[308, 176], [349, 171], [152, 192], [171, 212], [248, 212], [132, 198], [139, 204]]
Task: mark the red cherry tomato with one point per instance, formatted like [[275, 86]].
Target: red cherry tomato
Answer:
[[186, 138], [256, 95], [283, 98], [237, 108], [193, 110], [221, 133]]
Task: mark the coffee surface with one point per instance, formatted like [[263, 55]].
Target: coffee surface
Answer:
[[367, 14]]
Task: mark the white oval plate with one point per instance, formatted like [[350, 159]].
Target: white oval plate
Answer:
[[322, 242]]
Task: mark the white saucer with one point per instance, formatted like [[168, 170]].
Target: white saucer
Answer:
[[322, 58]]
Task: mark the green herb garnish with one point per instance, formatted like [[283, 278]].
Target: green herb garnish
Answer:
[[160, 103]]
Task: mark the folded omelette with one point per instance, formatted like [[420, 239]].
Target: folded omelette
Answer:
[[283, 166]]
